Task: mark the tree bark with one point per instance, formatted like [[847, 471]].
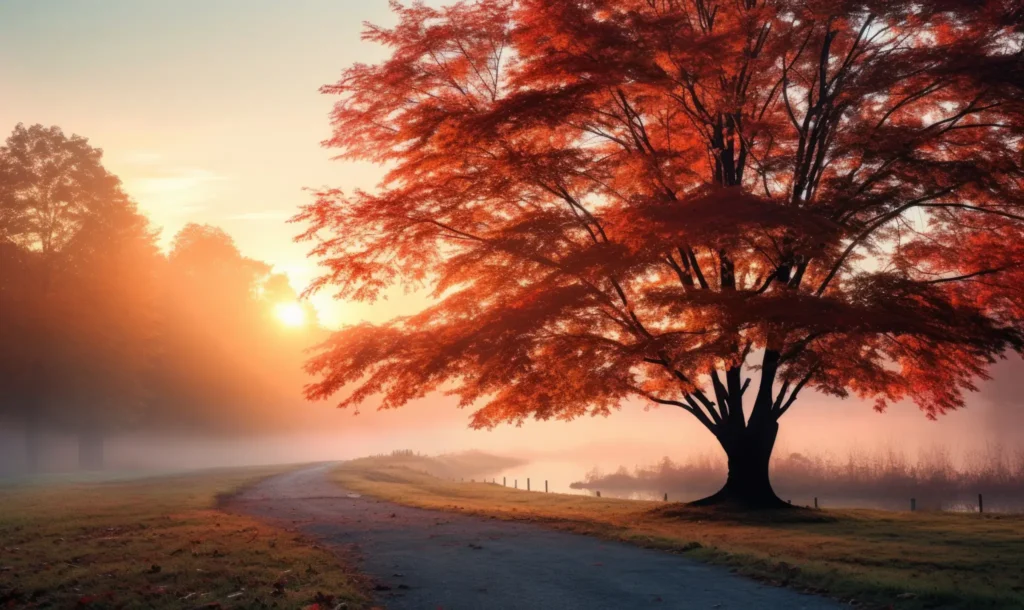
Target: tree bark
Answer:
[[748, 485], [90, 449], [33, 443]]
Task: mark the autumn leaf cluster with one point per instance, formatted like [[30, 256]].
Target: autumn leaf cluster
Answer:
[[629, 198]]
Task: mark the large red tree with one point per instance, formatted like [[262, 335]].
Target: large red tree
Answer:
[[666, 199]]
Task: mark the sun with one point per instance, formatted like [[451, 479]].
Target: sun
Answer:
[[290, 314]]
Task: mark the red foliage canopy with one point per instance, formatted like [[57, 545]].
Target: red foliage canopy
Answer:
[[615, 198]]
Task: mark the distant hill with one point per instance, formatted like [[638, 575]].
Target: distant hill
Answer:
[[464, 464]]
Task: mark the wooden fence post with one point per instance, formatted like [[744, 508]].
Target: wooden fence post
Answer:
[[815, 502], [981, 505], [527, 483], [517, 484], [545, 486], [503, 482], [913, 504], [666, 496]]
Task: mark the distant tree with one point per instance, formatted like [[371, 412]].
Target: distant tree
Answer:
[[619, 199], [207, 258], [227, 364], [108, 309], [53, 186], [209, 304], [79, 263], [18, 328]]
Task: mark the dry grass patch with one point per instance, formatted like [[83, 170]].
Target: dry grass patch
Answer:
[[158, 543], [909, 560]]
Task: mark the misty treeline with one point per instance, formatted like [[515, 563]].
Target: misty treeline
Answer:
[[885, 478], [101, 331]]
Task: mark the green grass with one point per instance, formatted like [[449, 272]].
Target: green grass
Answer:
[[158, 543], [908, 560]]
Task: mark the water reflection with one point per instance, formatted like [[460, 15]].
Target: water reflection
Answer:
[[558, 475]]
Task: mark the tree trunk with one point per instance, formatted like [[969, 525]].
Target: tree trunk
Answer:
[[90, 449], [748, 486], [33, 448]]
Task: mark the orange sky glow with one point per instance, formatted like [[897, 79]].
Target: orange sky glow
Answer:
[[210, 113]]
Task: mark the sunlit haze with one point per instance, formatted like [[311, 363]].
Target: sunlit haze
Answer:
[[210, 113], [511, 304], [290, 314]]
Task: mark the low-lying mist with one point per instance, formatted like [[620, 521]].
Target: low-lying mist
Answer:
[[837, 451], [936, 479]]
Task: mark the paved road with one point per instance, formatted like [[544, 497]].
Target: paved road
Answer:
[[424, 559]]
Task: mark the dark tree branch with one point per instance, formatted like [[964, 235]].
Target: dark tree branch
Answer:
[[871, 229], [686, 407], [971, 275], [973, 208], [792, 397]]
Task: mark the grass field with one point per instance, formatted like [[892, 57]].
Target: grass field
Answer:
[[906, 560], [157, 543]]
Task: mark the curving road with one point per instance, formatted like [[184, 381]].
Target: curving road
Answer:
[[424, 559]]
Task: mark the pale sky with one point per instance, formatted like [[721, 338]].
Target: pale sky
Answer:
[[209, 112]]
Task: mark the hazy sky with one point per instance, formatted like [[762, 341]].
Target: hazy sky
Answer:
[[207, 109], [209, 112]]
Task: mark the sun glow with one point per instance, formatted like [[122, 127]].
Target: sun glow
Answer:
[[290, 314]]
